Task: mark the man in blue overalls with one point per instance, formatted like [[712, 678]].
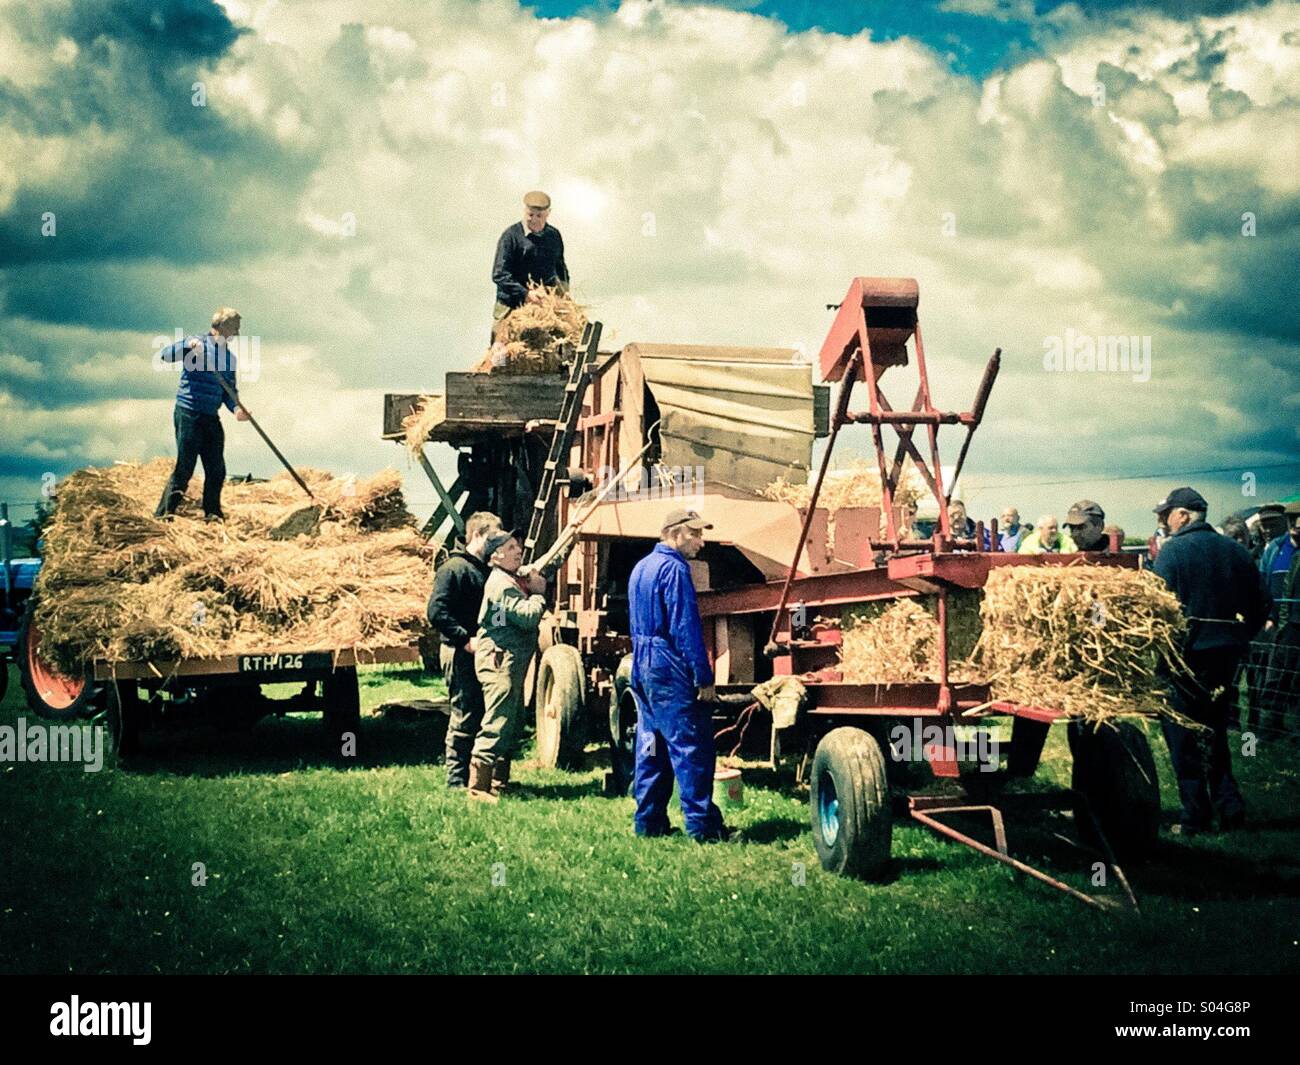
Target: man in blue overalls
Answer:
[[673, 684]]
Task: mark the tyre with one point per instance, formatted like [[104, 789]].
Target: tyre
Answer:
[[851, 821], [560, 698], [1114, 778], [4, 677], [623, 714], [342, 704], [126, 718], [49, 693]]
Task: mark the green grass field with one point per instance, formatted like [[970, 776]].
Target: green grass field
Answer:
[[375, 867]]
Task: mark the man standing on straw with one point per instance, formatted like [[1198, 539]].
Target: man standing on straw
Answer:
[[1217, 585], [673, 684], [199, 397], [529, 253], [453, 611]]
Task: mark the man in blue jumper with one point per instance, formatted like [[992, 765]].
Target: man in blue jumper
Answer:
[[529, 253], [673, 684], [1277, 566], [199, 397], [1218, 587]]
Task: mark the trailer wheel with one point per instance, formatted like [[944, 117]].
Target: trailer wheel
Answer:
[[50, 694], [1114, 775], [851, 821], [560, 698], [342, 703], [126, 717], [623, 714]]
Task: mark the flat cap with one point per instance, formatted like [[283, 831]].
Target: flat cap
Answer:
[[1187, 498], [497, 540], [685, 516], [1082, 511], [536, 198]]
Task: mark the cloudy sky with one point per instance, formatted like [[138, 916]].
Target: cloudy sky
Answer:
[[339, 171]]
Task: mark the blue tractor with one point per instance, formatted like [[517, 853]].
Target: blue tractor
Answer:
[[49, 693]]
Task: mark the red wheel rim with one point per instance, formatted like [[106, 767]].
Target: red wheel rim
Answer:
[[56, 691]]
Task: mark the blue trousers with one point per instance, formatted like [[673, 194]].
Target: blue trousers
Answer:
[[675, 743]]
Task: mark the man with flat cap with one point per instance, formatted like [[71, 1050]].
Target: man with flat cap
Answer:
[[672, 681], [1086, 526], [1219, 589], [529, 253]]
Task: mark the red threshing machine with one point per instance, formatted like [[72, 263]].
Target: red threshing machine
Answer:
[[771, 569]]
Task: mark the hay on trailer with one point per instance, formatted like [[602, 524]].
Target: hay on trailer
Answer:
[[1086, 640], [120, 585], [533, 337], [897, 641], [857, 485]]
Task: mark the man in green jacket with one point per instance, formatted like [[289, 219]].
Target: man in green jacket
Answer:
[[508, 622]]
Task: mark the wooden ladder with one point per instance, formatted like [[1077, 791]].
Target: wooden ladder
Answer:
[[562, 441]]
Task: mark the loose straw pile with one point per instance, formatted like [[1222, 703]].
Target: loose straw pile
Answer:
[[1084, 640], [898, 642], [858, 485], [532, 338], [428, 412], [118, 584]]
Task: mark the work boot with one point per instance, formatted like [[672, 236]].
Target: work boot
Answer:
[[501, 777], [480, 782]]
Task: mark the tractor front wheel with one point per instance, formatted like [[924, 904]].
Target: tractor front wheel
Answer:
[[50, 694], [851, 820], [559, 701]]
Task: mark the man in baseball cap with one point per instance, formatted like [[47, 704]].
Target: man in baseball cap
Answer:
[[1086, 524], [529, 254], [1219, 590], [672, 681]]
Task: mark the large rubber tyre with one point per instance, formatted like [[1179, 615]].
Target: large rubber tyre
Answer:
[[49, 694], [851, 820], [342, 699], [126, 718], [623, 714], [560, 698], [1114, 775], [4, 677]]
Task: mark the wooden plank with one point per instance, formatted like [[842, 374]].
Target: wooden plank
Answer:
[[511, 399], [398, 405]]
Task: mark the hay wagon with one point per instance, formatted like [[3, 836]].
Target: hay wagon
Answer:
[[139, 696]]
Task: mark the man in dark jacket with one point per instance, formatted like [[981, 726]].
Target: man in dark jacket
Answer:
[[529, 253], [1219, 590], [453, 611]]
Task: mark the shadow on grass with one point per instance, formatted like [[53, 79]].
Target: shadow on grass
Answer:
[[281, 745], [773, 829]]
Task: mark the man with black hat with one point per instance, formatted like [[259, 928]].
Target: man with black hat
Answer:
[[1279, 567], [672, 680], [453, 611], [1086, 526], [1216, 583], [529, 253]]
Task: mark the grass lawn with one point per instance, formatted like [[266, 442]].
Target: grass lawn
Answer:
[[374, 867]]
